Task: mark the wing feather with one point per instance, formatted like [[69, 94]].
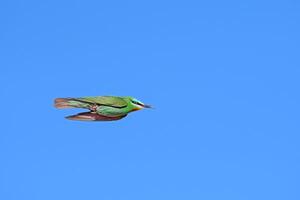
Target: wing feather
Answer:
[[117, 102]]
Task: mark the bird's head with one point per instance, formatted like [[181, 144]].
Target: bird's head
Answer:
[[136, 104]]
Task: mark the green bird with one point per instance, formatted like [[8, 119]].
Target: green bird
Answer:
[[101, 108]]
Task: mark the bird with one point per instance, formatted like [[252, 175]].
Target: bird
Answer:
[[101, 108]]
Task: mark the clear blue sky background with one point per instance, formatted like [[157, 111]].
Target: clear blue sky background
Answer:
[[223, 76]]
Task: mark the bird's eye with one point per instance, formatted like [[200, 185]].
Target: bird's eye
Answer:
[[137, 103]]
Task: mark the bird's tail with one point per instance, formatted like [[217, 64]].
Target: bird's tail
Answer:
[[62, 103], [69, 103], [90, 116]]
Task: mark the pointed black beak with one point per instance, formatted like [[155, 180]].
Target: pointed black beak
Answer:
[[147, 106]]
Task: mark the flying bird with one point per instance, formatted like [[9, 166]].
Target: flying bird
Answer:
[[101, 108]]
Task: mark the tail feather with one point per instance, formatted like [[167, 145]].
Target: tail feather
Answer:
[[62, 103], [90, 116]]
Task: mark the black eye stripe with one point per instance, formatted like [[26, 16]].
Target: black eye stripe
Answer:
[[137, 103]]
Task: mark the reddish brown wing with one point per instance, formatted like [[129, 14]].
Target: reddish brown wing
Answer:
[[89, 116]]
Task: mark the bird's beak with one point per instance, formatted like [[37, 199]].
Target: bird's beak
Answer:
[[147, 106]]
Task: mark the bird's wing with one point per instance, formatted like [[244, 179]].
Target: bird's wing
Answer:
[[117, 102], [89, 116]]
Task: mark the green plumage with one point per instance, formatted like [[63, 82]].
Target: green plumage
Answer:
[[102, 108], [118, 102]]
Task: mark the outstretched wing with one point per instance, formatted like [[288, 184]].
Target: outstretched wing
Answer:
[[89, 116], [111, 101]]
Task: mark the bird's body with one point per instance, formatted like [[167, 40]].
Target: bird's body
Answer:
[[102, 108]]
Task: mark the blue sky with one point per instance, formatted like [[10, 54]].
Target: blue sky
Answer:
[[223, 76]]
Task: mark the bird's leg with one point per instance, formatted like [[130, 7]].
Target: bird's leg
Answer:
[[93, 108]]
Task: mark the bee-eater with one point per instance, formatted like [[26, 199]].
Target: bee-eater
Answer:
[[102, 108]]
